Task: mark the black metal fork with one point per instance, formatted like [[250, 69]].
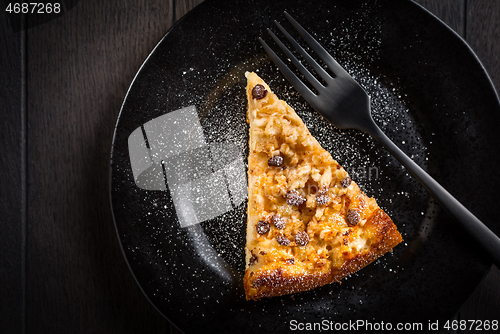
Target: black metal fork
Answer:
[[342, 101]]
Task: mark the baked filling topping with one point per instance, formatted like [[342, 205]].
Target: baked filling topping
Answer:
[[308, 222]]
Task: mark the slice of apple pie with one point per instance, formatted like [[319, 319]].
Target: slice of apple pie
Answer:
[[308, 224]]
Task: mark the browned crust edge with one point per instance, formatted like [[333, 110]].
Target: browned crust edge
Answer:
[[282, 280]]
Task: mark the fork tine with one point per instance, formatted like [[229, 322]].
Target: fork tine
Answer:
[[306, 93], [317, 68], [316, 84], [317, 48]]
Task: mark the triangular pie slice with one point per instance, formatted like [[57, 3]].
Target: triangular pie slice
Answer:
[[308, 223]]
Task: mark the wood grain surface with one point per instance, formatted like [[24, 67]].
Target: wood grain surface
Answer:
[[80, 67], [482, 33], [62, 85], [12, 179]]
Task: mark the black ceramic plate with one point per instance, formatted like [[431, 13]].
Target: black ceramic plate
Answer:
[[430, 94]]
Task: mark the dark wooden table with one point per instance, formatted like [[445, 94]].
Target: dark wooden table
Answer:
[[62, 84]]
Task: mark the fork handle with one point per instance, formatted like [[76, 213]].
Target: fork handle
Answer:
[[476, 228]]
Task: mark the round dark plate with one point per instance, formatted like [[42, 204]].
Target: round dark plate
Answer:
[[430, 95]]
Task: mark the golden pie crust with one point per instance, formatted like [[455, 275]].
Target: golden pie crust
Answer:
[[308, 223]]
